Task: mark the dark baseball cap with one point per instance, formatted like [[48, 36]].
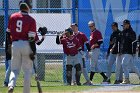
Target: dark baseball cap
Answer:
[[74, 24], [115, 24], [69, 30], [126, 22], [25, 3]]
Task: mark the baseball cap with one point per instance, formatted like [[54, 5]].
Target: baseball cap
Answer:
[[74, 24], [91, 22], [126, 22], [25, 3], [115, 24]]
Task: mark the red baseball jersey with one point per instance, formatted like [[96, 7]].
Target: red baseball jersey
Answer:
[[20, 24], [81, 37], [70, 46], [95, 36]]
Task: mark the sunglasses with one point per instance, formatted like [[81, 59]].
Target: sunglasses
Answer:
[[90, 26]]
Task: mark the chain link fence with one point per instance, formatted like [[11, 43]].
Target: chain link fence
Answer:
[[49, 61]]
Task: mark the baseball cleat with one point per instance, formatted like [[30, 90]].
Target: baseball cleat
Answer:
[[5, 84], [126, 81], [88, 83], [11, 89]]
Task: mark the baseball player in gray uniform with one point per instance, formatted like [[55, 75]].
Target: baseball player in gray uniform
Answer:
[[71, 47], [21, 27], [95, 41], [83, 41]]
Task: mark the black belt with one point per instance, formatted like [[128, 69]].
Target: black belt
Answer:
[[18, 40], [71, 54]]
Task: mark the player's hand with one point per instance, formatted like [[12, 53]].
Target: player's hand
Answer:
[[92, 47], [32, 56], [111, 50], [89, 54]]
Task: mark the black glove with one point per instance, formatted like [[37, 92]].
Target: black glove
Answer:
[[42, 30], [32, 56]]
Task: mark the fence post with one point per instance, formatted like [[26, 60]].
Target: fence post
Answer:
[[73, 11], [64, 68], [5, 23], [6, 14], [41, 66]]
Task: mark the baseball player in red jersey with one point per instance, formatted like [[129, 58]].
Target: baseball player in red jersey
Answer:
[[70, 48], [95, 42], [82, 40], [21, 27]]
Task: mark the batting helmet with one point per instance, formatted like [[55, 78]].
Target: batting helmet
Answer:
[[69, 30], [25, 3]]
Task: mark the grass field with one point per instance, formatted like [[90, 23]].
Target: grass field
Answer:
[[53, 81]]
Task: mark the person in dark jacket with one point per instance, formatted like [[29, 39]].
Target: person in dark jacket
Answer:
[[113, 51], [8, 58], [128, 36]]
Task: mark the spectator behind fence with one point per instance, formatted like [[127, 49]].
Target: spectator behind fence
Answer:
[[8, 44]]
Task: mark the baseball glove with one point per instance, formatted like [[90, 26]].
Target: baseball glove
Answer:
[[42, 30]]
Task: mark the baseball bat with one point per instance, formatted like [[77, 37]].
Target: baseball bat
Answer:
[[36, 78]]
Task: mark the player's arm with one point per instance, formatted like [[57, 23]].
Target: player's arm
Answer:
[[99, 42], [60, 39], [31, 39], [86, 42], [57, 39], [87, 46], [38, 42]]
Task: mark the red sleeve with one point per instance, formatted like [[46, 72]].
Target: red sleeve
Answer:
[[84, 38], [62, 41], [33, 26], [36, 38], [33, 29], [99, 36]]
